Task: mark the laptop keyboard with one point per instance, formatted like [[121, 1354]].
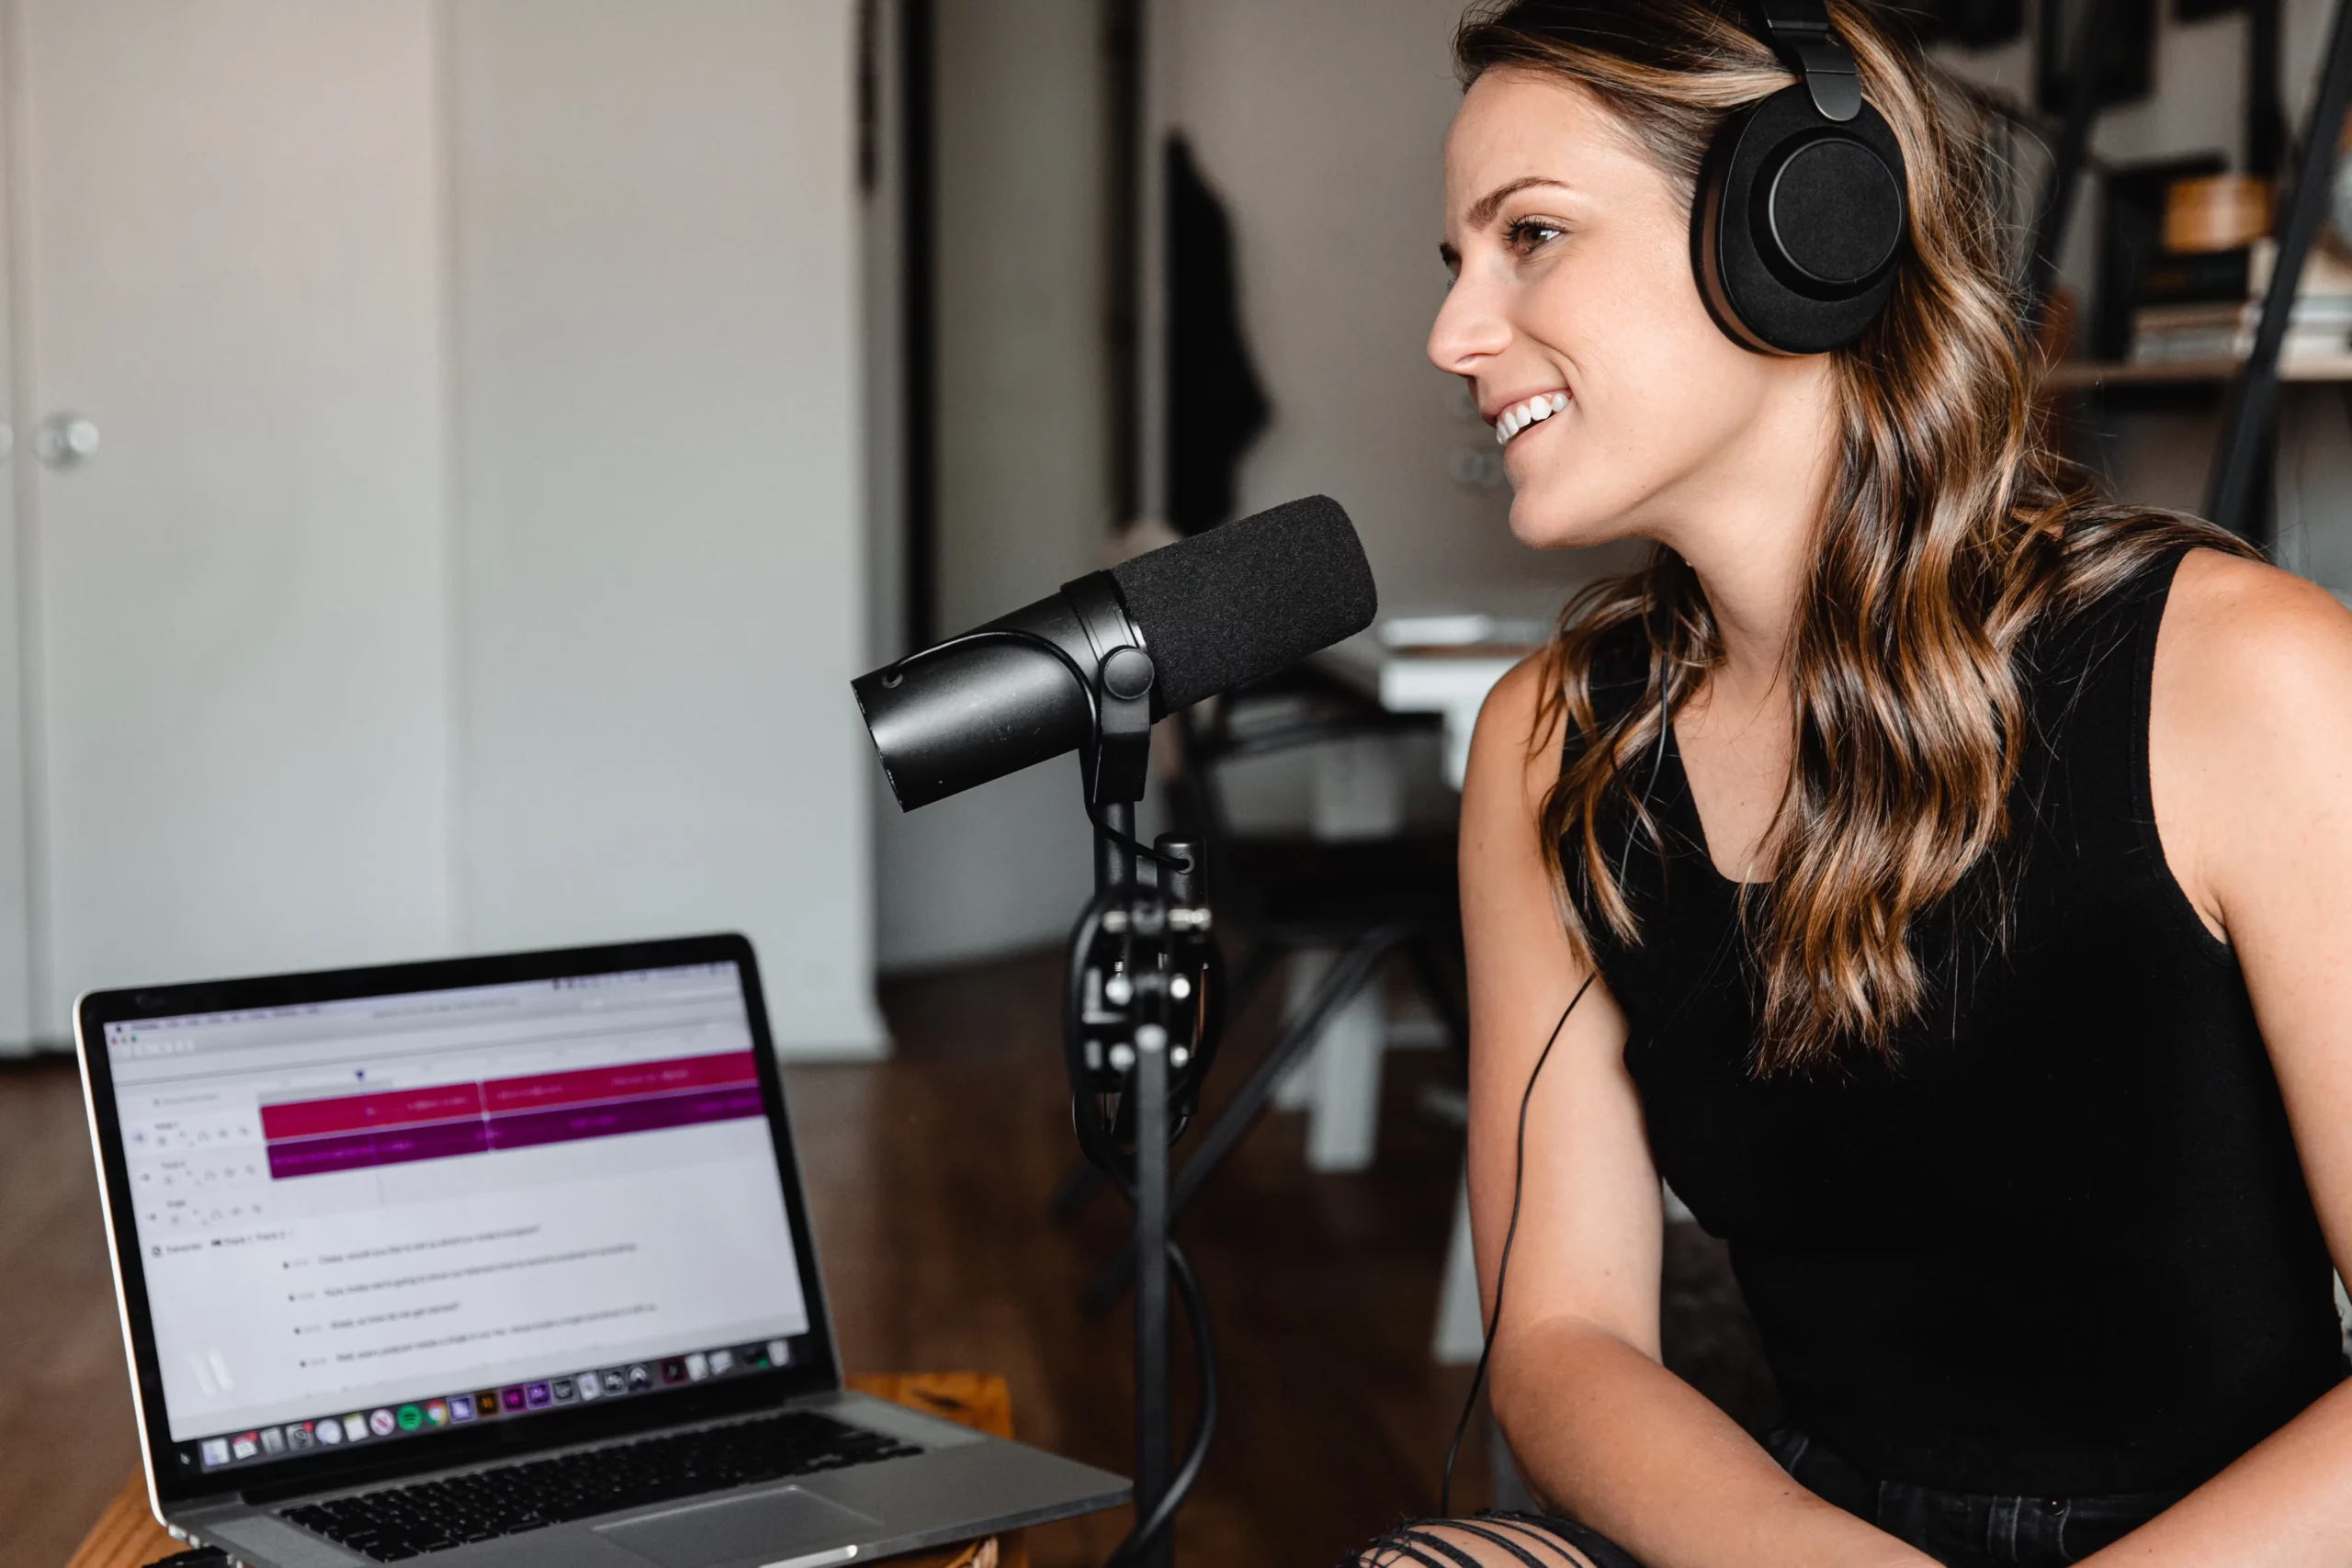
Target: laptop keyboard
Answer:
[[397, 1522]]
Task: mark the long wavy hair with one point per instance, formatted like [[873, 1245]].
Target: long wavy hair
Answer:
[[1951, 530]]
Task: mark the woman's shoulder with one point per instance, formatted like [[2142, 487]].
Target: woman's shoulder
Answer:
[[2243, 642], [1526, 711], [2225, 646], [1521, 723], [2216, 588], [2212, 614], [2249, 721]]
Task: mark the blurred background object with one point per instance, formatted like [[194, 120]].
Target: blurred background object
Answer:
[[2125, 46], [2204, 213]]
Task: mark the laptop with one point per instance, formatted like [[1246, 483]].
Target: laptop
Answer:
[[500, 1261]]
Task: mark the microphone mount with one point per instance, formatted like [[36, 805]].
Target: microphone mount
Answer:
[[1156, 633], [1116, 755]]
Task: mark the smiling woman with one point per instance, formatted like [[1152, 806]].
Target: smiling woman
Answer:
[[1874, 864]]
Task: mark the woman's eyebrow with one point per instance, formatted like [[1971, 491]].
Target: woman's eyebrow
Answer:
[[1482, 211]]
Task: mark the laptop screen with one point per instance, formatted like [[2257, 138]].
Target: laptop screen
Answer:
[[368, 1221]]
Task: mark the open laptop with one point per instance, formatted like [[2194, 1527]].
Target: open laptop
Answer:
[[500, 1261]]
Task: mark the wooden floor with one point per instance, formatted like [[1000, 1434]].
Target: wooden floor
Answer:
[[929, 1177]]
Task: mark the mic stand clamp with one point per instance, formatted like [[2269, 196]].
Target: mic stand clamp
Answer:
[[1144, 1000], [1116, 757]]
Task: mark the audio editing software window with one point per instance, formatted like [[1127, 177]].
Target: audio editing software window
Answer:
[[365, 1206]]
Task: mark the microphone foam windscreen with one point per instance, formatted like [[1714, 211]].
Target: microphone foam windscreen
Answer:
[[1239, 601]]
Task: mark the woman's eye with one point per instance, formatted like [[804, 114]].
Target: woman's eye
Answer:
[[1529, 234]]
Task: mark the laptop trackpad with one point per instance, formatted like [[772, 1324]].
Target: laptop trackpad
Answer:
[[772, 1527]]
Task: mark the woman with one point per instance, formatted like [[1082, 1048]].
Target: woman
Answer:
[[1962, 867]]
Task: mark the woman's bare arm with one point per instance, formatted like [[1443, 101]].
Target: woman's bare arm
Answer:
[[2250, 760], [1603, 1431]]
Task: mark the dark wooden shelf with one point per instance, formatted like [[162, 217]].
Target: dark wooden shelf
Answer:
[[2078, 373]]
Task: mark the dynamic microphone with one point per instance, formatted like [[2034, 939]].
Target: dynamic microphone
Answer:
[[1096, 662]]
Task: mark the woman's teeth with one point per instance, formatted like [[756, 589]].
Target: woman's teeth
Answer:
[[1519, 416]]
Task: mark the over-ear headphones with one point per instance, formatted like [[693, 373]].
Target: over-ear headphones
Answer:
[[1801, 213]]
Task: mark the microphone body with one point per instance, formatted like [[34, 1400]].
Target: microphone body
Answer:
[[1211, 612], [979, 712]]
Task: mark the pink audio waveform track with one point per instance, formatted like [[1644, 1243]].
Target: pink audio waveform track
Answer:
[[312, 1137]]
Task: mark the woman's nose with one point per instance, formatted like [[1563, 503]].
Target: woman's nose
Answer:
[[1468, 331]]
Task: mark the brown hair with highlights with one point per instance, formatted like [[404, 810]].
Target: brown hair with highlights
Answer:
[[1952, 530]]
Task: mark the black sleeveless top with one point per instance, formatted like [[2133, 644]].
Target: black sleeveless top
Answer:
[[2062, 1246]]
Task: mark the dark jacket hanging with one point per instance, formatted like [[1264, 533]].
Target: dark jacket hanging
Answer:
[[1215, 404]]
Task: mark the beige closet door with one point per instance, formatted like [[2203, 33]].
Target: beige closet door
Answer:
[[662, 589], [228, 261]]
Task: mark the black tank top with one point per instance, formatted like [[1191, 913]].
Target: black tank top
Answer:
[[2062, 1246]]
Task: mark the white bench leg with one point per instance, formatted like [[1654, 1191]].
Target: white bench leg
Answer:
[[1358, 793], [1337, 1081], [1461, 1331], [1343, 1122], [1297, 1090]]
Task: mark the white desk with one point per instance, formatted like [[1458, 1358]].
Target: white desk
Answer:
[[1452, 680]]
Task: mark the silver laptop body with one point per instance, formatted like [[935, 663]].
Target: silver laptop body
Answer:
[[378, 1229]]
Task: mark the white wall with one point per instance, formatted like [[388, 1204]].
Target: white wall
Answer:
[[1025, 499], [1321, 123], [16, 1028], [661, 579]]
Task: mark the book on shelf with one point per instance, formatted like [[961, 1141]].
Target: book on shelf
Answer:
[[2187, 313], [2228, 343], [2310, 309], [2318, 328], [2220, 277]]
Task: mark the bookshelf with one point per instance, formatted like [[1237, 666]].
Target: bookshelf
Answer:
[[2076, 374], [2250, 386]]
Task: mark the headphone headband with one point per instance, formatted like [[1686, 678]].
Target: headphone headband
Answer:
[[1800, 33]]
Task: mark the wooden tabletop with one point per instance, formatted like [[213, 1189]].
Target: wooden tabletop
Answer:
[[127, 1535]]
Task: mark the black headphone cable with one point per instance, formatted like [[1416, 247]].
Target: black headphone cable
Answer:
[[1502, 1267], [1527, 1095]]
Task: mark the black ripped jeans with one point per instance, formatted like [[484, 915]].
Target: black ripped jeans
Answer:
[[1960, 1530]]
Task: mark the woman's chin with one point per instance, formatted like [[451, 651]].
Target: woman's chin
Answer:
[[1543, 521]]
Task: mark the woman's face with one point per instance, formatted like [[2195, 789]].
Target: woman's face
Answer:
[[1573, 300]]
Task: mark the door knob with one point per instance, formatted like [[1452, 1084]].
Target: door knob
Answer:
[[64, 440]]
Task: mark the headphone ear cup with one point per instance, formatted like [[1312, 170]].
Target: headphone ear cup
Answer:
[[1799, 224]]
